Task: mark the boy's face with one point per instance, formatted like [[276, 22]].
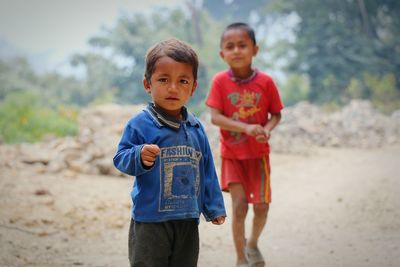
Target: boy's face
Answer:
[[237, 49], [171, 85]]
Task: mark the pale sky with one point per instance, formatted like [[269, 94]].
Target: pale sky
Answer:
[[56, 29]]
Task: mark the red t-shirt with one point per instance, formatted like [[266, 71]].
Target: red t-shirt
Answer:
[[249, 101]]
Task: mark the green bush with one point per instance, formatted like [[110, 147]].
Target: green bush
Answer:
[[24, 118], [295, 89], [384, 94]]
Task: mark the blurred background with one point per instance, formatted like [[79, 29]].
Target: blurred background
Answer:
[[71, 76], [57, 57]]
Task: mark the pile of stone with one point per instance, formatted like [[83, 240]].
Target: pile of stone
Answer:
[[356, 125], [90, 152], [303, 126]]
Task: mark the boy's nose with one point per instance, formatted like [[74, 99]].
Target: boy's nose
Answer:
[[172, 87]]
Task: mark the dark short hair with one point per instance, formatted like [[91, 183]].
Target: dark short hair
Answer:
[[242, 26], [173, 48]]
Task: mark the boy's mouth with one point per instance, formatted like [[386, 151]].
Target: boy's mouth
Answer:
[[172, 98]]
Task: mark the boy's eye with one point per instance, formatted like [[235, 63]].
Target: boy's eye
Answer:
[[184, 81], [163, 80]]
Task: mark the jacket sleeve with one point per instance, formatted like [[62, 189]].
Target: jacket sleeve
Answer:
[[213, 202], [128, 159]]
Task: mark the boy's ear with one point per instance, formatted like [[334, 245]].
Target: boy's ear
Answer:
[[256, 48], [221, 54], [194, 88], [146, 85]]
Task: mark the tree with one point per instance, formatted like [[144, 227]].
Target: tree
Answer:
[[128, 41], [235, 9], [16, 74], [337, 41]]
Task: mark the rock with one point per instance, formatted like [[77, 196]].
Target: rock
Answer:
[[304, 125]]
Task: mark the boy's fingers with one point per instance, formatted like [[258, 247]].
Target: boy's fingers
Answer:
[[148, 163], [261, 138], [257, 129], [219, 220], [154, 149], [149, 158]]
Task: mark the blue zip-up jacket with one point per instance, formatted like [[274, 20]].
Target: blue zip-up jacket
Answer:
[[182, 183]]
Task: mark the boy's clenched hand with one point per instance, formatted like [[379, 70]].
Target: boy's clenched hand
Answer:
[[219, 220], [253, 129], [264, 137], [149, 154]]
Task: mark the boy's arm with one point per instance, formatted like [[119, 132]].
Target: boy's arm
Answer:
[[229, 124], [213, 201], [128, 158], [272, 123]]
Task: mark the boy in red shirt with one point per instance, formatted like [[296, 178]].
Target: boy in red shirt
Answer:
[[245, 104]]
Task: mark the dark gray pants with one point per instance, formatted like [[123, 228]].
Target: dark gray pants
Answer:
[[164, 244]]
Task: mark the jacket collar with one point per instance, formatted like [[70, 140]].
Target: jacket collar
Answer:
[[163, 119]]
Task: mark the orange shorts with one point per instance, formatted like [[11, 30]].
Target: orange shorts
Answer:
[[252, 174]]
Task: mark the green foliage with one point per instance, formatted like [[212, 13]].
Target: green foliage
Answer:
[[102, 78], [105, 97], [295, 89], [130, 38], [24, 118], [54, 89], [239, 9], [384, 94], [338, 41], [354, 90], [210, 61], [381, 90], [337, 51], [16, 74]]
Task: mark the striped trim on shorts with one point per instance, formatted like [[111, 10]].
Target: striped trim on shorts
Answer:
[[252, 174]]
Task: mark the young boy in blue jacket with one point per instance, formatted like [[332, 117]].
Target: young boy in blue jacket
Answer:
[[165, 147]]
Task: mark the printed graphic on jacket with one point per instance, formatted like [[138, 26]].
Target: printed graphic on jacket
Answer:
[[179, 177]]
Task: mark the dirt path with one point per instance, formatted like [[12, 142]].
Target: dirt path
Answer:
[[331, 207]]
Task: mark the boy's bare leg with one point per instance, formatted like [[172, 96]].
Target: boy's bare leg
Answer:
[[259, 221], [239, 210]]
